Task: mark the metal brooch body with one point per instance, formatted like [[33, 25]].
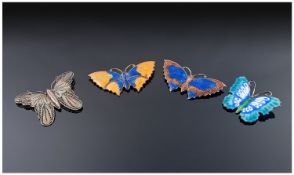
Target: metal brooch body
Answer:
[[60, 94]]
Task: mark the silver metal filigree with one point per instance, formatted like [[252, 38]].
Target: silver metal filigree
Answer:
[[61, 93]]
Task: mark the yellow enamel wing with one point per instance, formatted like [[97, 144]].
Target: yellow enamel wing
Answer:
[[114, 80]]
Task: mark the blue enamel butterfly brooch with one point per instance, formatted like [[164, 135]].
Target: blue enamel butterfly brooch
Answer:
[[249, 105], [197, 85]]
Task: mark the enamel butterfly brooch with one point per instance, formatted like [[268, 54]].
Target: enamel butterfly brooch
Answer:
[[197, 85], [60, 94], [249, 105], [114, 80]]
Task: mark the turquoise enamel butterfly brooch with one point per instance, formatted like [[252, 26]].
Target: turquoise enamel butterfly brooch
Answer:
[[197, 85], [249, 105]]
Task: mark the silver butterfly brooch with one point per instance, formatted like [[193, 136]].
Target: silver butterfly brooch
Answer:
[[60, 94]]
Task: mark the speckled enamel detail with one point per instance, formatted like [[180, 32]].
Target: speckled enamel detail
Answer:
[[249, 106]]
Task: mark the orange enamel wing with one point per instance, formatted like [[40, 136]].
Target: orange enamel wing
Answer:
[[140, 74], [134, 76], [108, 80]]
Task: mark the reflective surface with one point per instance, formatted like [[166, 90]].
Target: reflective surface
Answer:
[[154, 130]]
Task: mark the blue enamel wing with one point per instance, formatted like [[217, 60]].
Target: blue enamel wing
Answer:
[[249, 106], [196, 85]]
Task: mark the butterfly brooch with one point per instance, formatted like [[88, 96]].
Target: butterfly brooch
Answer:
[[249, 105], [61, 93], [114, 80], [196, 85]]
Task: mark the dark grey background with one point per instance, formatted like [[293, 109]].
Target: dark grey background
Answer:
[[154, 130]]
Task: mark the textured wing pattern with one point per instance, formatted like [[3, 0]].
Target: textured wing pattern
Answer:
[[240, 92], [41, 103], [263, 105], [70, 100], [63, 81], [29, 98], [65, 95], [45, 110]]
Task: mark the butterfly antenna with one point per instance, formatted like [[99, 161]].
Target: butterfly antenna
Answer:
[[252, 83], [117, 70], [52, 84], [266, 93], [187, 68], [127, 68], [200, 74]]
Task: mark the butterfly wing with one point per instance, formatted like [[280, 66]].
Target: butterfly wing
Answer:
[[62, 88], [203, 87], [41, 103], [263, 105], [140, 74], [174, 74], [239, 93], [108, 80], [63, 81]]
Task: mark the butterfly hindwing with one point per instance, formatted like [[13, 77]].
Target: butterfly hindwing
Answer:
[[45, 110], [262, 104], [140, 74], [70, 100], [240, 92], [108, 80], [115, 86], [174, 74], [203, 87]]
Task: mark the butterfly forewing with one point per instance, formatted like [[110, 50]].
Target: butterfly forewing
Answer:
[[174, 74], [41, 103], [108, 80], [29, 98], [239, 93], [61, 87], [140, 74], [63, 81]]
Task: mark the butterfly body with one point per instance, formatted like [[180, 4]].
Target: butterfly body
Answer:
[[60, 94], [177, 77], [243, 105], [114, 80], [53, 98], [249, 106]]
